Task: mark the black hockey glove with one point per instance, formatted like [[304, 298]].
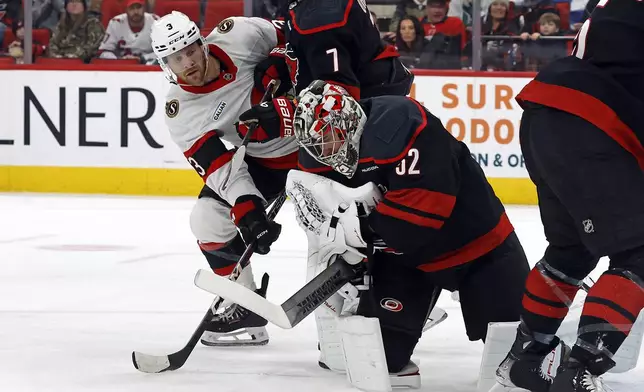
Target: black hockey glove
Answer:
[[273, 119], [274, 67], [250, 218]]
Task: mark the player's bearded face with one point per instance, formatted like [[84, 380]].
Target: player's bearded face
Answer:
[[189, 64]]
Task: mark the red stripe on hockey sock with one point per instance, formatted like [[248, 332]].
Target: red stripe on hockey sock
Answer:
[[210, 246], [544, 310], [620, 290], [542, 287], [611, 316], [225, 271]]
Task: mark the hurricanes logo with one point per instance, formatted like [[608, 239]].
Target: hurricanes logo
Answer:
[[172, 108], [391, 304], [225, 26], [292, 63]]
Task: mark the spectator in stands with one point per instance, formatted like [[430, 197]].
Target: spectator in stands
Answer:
[[529, 14], [9, 11], [464, 10], [16, 48], [411, 43], [497, 54], [128, 35], [77, 34], [46, 13], [404, 8], [543, 51], [448, 31], [416, 51]]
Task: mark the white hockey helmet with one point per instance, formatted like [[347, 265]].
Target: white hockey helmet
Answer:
[[170, 34], [328, 124]]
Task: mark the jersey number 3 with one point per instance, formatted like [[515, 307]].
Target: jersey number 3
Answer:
[[403, 169]]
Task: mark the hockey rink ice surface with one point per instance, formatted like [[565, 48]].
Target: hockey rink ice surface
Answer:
[[85, 280]]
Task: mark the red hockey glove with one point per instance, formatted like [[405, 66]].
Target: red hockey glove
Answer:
[[253, 224], [273, 68], [273, 119]]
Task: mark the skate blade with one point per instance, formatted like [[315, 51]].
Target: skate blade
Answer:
[[243, 337]]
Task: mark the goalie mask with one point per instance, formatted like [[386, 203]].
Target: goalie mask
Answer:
[[328, 124]]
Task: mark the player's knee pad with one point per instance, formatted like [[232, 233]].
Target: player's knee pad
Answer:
[[575, 262]]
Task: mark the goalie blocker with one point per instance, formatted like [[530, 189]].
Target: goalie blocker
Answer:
[[438, 225]]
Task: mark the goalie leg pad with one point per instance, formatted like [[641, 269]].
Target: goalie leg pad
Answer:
[[365, 360]]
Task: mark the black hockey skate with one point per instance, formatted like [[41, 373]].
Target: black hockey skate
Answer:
[[530, 364], [237, 326], [573, 376]]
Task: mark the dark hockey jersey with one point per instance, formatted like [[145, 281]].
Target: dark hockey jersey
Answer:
[[438, 207], [603, 80], [336, 41]]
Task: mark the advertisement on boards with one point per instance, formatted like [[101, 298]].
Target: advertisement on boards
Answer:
[[481, 112]]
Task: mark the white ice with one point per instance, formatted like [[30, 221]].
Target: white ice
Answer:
[[84, 281]]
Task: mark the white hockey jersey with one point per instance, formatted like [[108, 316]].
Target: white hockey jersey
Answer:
[[120, 40], [199, 118]]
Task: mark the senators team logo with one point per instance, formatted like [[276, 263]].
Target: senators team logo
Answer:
[[225, 26], [172, 108]]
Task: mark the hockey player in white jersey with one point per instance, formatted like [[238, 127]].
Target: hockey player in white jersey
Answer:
[[128, 34], [211, 84]]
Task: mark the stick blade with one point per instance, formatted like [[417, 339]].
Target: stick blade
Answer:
[[234, 292], [150, 363]]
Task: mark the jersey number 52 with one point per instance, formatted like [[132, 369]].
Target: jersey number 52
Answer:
[[409, 169]]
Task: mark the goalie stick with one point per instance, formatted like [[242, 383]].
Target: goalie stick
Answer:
[[160, 363], [293, 310]]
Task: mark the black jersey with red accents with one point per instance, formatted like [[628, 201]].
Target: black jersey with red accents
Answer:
[[612, 39], [603, 80], [336, 41], [438, 207]]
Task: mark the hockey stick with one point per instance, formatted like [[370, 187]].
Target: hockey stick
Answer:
[[238, 157], [156, 364], [294, 309]]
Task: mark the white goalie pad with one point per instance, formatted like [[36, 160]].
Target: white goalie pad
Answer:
[[365, 361], [364, 353]]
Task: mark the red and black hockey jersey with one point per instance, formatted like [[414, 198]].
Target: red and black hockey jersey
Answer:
[[603, 81], [336, 41], [438, 208]]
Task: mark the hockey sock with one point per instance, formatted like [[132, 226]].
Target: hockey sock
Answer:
[[222, 258], [611, 308], [546, 300]]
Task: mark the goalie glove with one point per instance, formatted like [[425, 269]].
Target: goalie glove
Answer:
[[344, 235]]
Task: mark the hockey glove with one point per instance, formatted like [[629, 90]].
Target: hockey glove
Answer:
[[274, 67], [345, 235], [250, 218], [273, 119]]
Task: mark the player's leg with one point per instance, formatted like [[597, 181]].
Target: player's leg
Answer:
[[552, 284], [602, 188], [608, 214], [491, 288], [222, 246], [400, 297]]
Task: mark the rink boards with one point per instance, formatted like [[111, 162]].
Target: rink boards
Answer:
[[99, 131]]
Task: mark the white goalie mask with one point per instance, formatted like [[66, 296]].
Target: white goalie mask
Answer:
[[328, 124], [172, 33]]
